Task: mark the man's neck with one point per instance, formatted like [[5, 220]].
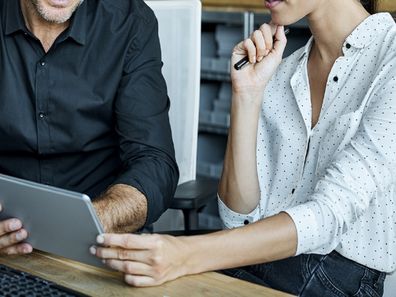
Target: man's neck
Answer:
[[331, 24], [45, 31]]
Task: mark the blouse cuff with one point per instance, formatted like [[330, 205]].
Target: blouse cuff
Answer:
[[232, 219], [307, 227]]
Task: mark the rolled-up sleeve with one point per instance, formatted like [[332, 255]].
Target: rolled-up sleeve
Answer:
[[359, 173], [232, 219], [142, 122]]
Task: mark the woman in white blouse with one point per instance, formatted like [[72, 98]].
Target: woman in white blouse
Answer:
[[310, 167]]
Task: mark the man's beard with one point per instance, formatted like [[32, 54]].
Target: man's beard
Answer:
[[56, 18]]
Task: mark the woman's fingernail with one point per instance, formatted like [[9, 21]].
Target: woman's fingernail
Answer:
[[259, 59], [20, 235], [92, 250], [100, 239]]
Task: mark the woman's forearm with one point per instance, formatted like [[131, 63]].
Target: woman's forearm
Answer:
[[268, 240], [239, 188]]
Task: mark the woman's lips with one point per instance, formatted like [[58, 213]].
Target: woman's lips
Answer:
[[270, 4]]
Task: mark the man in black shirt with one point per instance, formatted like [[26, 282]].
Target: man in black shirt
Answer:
[[84, 106]]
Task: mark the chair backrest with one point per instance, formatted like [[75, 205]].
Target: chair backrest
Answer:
[[180, 36]]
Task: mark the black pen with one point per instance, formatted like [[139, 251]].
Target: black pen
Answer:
[[244, 61]]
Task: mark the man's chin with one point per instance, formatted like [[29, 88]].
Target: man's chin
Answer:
[[56, 11]]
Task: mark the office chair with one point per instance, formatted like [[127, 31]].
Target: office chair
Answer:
[[180, 36]]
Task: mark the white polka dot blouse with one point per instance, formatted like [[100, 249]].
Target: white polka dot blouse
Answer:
[[336, 180]]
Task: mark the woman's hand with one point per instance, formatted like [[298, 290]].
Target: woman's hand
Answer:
[[145, 260], [265, 49]]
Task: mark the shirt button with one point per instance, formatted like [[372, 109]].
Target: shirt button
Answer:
[[335, 78], [348, 46], [42, 63], [41, 115], [246, 222]]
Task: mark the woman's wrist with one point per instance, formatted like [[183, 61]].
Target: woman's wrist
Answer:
[[249, 101], [196, 254]]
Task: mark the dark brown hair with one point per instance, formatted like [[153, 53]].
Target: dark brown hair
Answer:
[[370, 5]]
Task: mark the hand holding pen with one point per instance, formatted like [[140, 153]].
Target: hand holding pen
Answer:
[[263, 50], [245, 60]]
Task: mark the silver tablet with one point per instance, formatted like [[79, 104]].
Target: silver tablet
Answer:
[[58, 221]]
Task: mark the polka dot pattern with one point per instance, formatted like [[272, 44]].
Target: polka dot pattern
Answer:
[[336, 180]]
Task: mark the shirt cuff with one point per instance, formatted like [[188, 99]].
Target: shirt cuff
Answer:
[[232, 219], [307, 227]]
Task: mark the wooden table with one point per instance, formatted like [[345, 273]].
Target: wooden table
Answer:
[[98, 282]]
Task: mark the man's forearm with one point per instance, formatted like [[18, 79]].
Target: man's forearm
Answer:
[[121, 208]]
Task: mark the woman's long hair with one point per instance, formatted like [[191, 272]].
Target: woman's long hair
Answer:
[[370, 5]]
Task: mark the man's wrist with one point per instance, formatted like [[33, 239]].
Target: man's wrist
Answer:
[[122, 208]]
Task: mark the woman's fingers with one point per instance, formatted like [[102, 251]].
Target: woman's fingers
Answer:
[[130, 267], [260, 43], [141, 281], [126, 241], [250, 48], [159, 258], [121, 254], [268, 32], [280, 40]]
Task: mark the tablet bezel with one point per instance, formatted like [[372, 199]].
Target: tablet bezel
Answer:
[[46, 211]]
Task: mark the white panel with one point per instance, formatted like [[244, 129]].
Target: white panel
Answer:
[[390, 286], [180, 37]]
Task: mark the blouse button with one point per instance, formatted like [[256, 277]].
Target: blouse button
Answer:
[[335, 78], [348, 46], [246, 222]]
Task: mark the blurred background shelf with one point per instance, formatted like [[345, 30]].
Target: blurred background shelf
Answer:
[[222, 28]]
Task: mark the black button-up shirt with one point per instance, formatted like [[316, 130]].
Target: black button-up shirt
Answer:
[[91, 112]]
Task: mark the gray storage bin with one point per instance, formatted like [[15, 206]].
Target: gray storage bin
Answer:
[[227, 37], [211, 149], [209, 91], [208, 45]]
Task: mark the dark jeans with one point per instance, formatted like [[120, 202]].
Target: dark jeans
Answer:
[[315, 275]]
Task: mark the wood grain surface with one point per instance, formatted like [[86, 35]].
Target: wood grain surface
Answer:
[[99, 282]]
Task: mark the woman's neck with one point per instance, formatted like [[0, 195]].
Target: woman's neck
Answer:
[[331, 24]]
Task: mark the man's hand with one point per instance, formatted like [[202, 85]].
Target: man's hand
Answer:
[[146, 259], [11, 236]]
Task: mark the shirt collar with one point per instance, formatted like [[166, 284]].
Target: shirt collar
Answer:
[[78, 24], [77, 30], [372, 27], [307, 49], [364, 34], [14, 18]]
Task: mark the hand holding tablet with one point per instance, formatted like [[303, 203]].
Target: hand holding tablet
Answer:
[[56, 221]]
